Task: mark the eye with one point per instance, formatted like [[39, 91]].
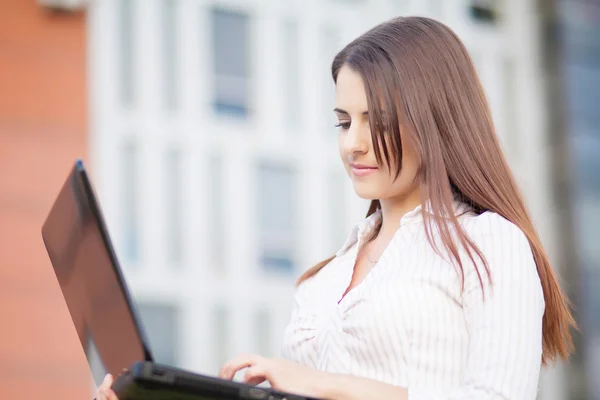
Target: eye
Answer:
[[345, 125]]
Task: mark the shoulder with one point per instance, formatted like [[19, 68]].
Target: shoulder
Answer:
[[490, 228], [504, 246], [509, 257]]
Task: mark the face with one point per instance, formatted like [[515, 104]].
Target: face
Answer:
[[371, 181]]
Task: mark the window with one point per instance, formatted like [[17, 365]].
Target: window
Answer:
[[161, 325], [216, 213], [291, 72], [173, 193], [221, 333], [483, 11], [231, 62], [130, 202], [125, 44], [276, 212], [169, 53]]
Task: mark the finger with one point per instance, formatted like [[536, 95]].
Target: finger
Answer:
[[242, 361], [111, 395], [255, 375], [107, 382], [231, 368]]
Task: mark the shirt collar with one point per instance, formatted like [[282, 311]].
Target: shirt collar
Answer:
[[364, 228]]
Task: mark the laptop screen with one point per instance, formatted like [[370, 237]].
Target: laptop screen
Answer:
[[90, 278]]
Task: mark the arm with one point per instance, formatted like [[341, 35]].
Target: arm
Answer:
[[505, 349], [345, 387]]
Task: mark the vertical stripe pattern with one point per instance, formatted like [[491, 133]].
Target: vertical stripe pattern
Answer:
[[408, 323]]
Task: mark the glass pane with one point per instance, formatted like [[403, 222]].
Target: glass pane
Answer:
[[483, 11], [230, 93], [276, 216], [282, 263], [231, 61], [275, 185], [230, 31]]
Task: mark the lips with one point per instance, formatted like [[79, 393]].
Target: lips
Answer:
[[362, 170]]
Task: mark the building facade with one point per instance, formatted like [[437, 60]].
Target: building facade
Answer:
[[575, 51], [43, 129], [215, 155]]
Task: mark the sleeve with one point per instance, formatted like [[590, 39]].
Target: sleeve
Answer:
[[300, 331], [505, 329]]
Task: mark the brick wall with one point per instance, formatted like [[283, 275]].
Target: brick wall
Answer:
[[42, 130]]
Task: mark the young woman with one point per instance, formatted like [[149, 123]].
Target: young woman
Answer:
[[444, 291]]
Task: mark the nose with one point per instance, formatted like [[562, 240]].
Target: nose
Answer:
[[356, 141]]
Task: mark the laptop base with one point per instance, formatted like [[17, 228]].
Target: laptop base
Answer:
[[149, 381]]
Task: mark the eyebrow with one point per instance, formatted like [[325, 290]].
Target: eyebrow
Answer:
[[340, 111]]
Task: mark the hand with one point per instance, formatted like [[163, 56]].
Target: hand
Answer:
[[104, 392], [282, 374]]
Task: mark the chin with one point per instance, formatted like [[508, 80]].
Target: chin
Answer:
[[367, 192]]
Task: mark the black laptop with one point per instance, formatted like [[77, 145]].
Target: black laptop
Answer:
[[96, 294]]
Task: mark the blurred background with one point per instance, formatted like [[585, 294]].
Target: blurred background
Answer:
[[208, 130]]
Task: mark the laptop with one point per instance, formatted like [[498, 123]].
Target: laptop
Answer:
[[103, 312]]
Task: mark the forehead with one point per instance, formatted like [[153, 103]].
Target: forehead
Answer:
[[350, 91]]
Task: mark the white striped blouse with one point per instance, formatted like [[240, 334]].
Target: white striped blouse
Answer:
[[408, 323]]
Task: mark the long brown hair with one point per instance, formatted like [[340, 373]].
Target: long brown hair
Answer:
[[420, 73]]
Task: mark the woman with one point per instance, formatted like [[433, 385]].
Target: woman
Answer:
[[444, 291]]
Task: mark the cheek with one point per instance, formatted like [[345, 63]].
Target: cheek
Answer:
[[405, 181], [410, 165]]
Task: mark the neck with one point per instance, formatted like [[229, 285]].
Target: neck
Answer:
[[393, 209]]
